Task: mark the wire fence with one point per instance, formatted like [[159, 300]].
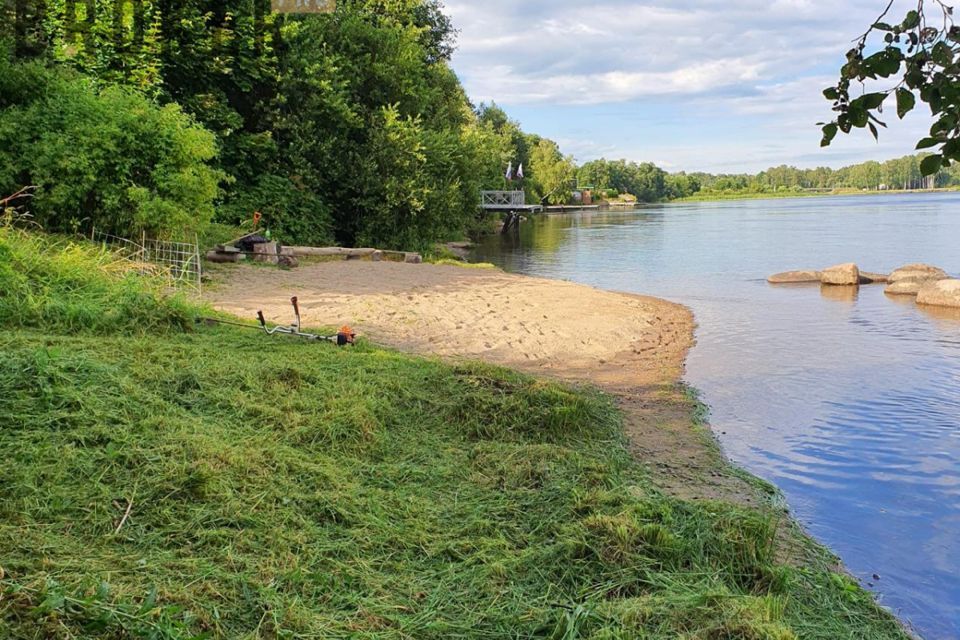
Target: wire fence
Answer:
[[179, 262]]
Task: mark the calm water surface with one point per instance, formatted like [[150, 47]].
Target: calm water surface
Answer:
[[848, 401]]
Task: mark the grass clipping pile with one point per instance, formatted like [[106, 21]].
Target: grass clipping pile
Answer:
[[216, 483]]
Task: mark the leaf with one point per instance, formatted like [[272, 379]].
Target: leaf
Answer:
[[906, 101], [873, 100], [831, 93], [873, 130], [930, 165], [150, 602], [882, 26], [858, 117], [942, 54], [911, 21], [829, 133], [926, 143]]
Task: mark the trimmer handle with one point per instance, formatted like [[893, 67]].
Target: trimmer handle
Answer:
[[263, 321], [296, 305]]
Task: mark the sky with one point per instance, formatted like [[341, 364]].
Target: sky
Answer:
[[692, 85]]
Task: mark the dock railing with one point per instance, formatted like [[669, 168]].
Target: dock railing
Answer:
[[502, 199]]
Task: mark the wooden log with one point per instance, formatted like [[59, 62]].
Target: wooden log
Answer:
[[376, 255], [326, 252], [265, 252], [219, 257]]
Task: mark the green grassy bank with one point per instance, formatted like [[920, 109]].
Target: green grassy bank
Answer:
[[164, 481]]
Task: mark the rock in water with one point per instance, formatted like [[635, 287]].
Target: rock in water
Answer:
[[795, 277], [842, 274], [921, 272], [940, 293], [904, 288], [873, 278]]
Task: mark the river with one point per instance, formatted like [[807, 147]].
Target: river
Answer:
[[849, 401]]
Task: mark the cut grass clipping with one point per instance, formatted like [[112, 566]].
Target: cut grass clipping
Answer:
[[222, 484]]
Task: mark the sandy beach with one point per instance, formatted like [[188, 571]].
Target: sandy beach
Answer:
[[632, 347]]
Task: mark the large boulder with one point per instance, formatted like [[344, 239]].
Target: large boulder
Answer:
[[904, 288], [794, 277], [842, 274], [940, 293], [920, 272]]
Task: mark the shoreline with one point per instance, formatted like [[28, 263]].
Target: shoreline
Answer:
[[665, 424], [551, 329]]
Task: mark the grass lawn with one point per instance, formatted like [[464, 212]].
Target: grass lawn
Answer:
[[192, 482]]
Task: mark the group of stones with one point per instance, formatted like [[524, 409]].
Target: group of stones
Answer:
[[931, 285]]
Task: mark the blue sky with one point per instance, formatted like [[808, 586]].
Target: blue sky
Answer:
[[694, 85]]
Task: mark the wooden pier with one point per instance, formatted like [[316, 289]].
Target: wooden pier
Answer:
[[512, 203]]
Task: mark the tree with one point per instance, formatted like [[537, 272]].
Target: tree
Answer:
[[552, 174], [109, 157], [919, 54]]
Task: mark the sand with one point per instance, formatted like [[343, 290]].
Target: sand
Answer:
[[631, 346]]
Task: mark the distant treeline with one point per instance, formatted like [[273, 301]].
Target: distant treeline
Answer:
[[898, 174]]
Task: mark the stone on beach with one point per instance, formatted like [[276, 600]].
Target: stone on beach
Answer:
[[904, 288], [920, 272], [795, 277], [841, 274], [940, 293]]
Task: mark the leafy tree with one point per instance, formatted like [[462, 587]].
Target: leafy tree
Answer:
[[553, 175], [309, 111], [646, 181], [108, 157], [918, 55]]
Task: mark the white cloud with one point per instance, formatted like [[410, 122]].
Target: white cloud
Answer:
[[759, 65]]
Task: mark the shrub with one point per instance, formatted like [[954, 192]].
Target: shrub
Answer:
[[107, 157]]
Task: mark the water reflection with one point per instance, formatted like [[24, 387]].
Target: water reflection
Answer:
[[847, 398], [840, 294]]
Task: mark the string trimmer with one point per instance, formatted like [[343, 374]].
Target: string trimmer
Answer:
[[343, 337]]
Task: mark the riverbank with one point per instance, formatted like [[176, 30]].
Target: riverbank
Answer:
[[631, 347], [172, 480]]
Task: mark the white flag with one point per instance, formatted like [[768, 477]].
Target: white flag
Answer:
[[509, 175], [520, 172]]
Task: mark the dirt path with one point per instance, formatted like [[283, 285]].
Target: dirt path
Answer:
[[631, 346]]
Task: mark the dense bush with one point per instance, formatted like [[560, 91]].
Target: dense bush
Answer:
[[291, 212], [102, 156]]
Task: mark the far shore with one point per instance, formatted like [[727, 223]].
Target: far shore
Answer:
[[718, 197]]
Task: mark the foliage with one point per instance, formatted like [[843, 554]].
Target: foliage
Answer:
[[289, 210], [106, 157], [62, 286], [298, 105], [646, 181], [896, 174], [222, 484], [553, 175], [920, 53]]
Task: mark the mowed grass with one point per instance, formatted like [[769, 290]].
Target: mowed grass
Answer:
[[212, 482]]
